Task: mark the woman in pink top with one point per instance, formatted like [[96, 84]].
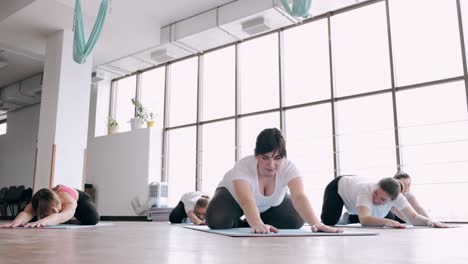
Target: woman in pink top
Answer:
[[55, 206]]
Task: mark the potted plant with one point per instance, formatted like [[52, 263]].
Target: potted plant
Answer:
[[150, 120], [141, 115], [112, 125]]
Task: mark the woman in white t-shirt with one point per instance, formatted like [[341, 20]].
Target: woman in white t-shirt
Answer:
[[192, 205], [395, 214], [406, 182], [257, 188], [370, 201]]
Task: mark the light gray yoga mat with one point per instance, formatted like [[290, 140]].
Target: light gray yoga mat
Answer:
[[357, 225], [61, 226], [246, 232]]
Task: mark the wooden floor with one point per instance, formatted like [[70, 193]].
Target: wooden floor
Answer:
[[157, 243]]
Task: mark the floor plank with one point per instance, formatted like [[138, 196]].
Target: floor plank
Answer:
[[157, 243]]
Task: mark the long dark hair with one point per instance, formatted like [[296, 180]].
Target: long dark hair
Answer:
[[269, 140], [401, 175]]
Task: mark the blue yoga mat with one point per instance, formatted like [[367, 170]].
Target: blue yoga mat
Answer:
[[246, 232]]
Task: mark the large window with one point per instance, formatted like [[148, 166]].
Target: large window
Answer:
[[183, 92], [124, 91], [217, 152], [464, 11], [309, 141], [181, 167], [366, 136], [3, 127], [152, 93], [285, 79], [433, 125], [360, 50], [249, 129], [426, 40], [306, 63], [259, 76], [219, 84]]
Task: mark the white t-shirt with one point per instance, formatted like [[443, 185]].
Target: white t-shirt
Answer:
[[246, 169], [408, 195], [357, 191], [190, 199]]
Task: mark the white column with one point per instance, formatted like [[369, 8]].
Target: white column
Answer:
[[64, 115]]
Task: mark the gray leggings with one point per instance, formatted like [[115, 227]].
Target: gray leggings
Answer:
[[224, 212]]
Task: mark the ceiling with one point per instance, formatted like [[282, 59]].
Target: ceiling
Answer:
[[131, 26]]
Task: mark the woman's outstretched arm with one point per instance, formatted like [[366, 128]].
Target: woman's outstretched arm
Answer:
[[302, 205], [22, 218]]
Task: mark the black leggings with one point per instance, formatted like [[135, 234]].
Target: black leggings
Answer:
[[333, 206], [332, 203], [355, 218], [224, 212], [178, 214], [86, 211]]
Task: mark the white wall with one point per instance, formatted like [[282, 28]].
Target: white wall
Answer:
[[118, 166], [18, 147], [64, 114]]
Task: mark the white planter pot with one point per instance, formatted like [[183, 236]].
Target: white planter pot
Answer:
[[112, 130], [136, 123]]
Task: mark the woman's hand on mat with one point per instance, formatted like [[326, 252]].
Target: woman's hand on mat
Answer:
[[325, 228], [35, 224], [263, 229], [38, 223], [201, 223], [437, 224], [394, 224], [15, 223]]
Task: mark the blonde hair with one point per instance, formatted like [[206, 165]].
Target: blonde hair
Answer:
[[202, 202]]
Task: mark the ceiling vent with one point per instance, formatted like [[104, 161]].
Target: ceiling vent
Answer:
[[160, 56], [244, 18], [255, 26], [237, 20], [166, 50]]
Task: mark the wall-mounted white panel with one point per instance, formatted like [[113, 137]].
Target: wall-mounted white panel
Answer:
[[233, 16], [201, 32], [167, 51]]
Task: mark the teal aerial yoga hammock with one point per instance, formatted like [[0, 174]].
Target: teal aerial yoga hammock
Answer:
[[300, 8], [81, 48]]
